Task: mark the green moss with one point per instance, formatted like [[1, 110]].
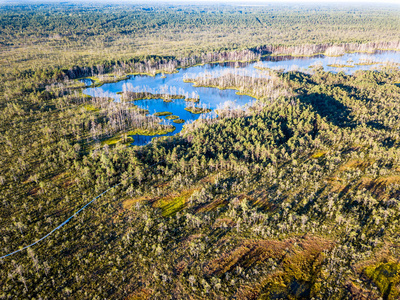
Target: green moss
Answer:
[[125, 138], [243, 93], [139, 110], [367, 63], [189, 81], [197, 110], [179, 121], [340, 66], [325, 54], [194, 100], [90, 107], [152, 131], [108, 78], [221, 62], [269, 69], [319, 154], [111, 141], [246, 94], [94, 78], [163, 113], [386, 277], [293, 55], [171, 205], [173, 117], [77, 84], [196, 84], [134, 96], [117, 139], [331, 55], [83, 95], [154, 73]]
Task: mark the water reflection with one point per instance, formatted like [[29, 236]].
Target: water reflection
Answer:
[[214, 98]]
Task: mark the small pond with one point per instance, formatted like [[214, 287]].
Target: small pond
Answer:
[[214, 98]]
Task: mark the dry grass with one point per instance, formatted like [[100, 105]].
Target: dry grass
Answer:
[[260, 198], [252, 252], [392, 179], [337, 184], [34, 191], [140, 294], [59, 176], [219, 202], [356, 292], [127, 204], [378, 186], [297, 260], [224, 223], [171, 204], [355, 164]]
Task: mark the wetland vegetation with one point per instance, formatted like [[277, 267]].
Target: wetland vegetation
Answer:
[[295, 196], [227, 85]]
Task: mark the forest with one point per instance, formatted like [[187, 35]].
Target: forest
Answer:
[[295, 197]]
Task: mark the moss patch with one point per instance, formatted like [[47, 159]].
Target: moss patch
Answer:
[[152, 131], [107, 78], [170, 205], [117, 139], [173, 117], [133, 96], [163, 113], [340, 66], [367, 63], [179, 121], [197, 110], [90, 107], [319, 154], [194, 100], [269, 69], [386, 276]]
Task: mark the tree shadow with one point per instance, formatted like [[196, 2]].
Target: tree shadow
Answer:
[[336, 112], [352, 91], [328, 107]]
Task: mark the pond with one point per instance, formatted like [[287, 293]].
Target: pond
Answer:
[[214, 98]]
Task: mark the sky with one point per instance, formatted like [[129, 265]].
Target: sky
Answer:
[[283, 1], [292, 1], [245, 2], [259, 2]]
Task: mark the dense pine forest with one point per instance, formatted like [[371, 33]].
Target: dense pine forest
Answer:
[[295, 197]]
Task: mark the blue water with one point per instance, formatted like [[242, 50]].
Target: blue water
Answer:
[[289, 63], [214, 98]]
